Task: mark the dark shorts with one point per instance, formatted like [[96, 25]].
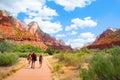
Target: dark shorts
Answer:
[[33, 59], [40, 60]]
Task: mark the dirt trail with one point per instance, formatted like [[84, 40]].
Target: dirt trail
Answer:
[[27, 73]]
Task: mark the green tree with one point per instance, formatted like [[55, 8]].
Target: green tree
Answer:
[[29, 48], [50, 50], [4, 46]]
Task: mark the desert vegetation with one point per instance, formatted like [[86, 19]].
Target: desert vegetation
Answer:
[[9, 52], [101, 64], [8, 59], [104, 65], [11, 56]]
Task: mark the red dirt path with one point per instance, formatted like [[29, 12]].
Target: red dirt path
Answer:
[[27, 73]]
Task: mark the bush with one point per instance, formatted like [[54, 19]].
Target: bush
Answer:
[[102, 67], [114, 51], [70, 58], [59, 56], [86, 51], [22, 54], [29, 48], [5, 46], [49, 50], [57, 67], [8, 59]]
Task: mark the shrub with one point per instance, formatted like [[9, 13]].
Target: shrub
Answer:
[[49, 50], [86, 51], [5, 46], [29, 48], [22, 54], [57, 67], [59, 56], [70, 58], [102, 67], [8, 59], [114, 51]]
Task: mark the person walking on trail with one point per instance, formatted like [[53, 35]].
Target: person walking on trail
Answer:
[[40, 60], [29, 58], [34, 58]]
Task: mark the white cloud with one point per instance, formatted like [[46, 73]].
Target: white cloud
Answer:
[[81, 40], [32, 8], [60, 35], [75, 43], [81, 23], [73, 26], [73, 33], [87, 35], [86, 22], [70, 5], [16, 6], [47, 13], [50, 27], [47, 26], [36, 11]]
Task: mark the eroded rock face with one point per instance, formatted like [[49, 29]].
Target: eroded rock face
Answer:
[[108, 38], [46, 38], [12, 29]]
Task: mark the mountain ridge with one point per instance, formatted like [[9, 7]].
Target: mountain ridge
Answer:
[[109, 38], [12, 29]]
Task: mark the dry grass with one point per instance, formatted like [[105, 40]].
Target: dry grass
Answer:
[[6, 71], [65, 73]]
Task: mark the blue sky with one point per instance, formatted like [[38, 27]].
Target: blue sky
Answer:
[[77, 22]]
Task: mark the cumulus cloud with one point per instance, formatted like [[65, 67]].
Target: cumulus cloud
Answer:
[[47, 26], [73, 26], [81, 40], [81, 23], [70, 5], [30, 7], [16, 6], [75, 43], [45, 13], [60, 35], [50, 27], [36, 10], [73, 33], [87, 35]]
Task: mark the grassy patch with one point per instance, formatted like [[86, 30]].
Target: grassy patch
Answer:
[[57, 67], [22, 54], [8, 59], [103, 66], [93, 64], [73, 59], [8, 70]]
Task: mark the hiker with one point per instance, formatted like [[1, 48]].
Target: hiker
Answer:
[[40, 60], [29, 58], [34, 58]]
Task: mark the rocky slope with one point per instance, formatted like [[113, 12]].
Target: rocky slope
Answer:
[[46, 38], [108, 38], [14, 30]]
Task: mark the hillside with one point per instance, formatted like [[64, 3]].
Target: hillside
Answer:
[[14, 30], [108, 38]]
